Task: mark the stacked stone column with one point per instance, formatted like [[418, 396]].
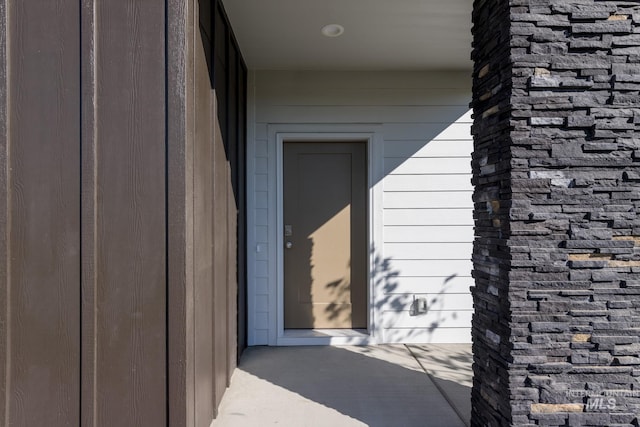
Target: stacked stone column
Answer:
[[556, 168]]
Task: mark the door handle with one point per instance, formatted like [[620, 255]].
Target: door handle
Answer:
[[288, 245]]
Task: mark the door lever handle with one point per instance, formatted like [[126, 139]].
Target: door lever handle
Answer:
[[288, 245]]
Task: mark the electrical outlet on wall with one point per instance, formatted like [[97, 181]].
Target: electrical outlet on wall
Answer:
[[418, 306]]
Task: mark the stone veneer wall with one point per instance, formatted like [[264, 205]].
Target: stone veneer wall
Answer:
[[491, 167], [557, 196]]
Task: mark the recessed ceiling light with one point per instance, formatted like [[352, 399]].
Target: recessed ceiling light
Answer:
[[332, 30]]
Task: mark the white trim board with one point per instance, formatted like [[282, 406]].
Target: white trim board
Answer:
[[277, 135]]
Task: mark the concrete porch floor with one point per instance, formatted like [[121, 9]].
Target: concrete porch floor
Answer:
[[387, 385]]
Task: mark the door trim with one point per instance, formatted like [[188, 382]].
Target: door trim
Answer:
[[372, 136]]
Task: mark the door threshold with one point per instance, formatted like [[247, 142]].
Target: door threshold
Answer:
[[325, 337]]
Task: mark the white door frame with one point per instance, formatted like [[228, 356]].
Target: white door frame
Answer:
[[371, 134]]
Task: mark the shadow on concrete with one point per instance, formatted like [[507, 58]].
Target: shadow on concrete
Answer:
[[449, 366], [376, 386]]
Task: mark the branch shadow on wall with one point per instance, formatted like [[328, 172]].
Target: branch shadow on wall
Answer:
[[410, 302], [426, 306], [422, 303]]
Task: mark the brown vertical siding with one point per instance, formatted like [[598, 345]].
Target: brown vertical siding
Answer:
[[180, 89], [203, 223], [41, 245], [130, 180], [232, 284], [118, 226], [209, 217], [220, 268], [83, 253], [88, 228], [4, 217], [226, 167]]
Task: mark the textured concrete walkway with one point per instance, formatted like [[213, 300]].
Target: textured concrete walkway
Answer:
[[386, 386]]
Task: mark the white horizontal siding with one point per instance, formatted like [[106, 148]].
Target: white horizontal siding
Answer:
[[358, 114], [429, 284], [448, 250], [435, 134], [402, 216], [427, 225], [428, 229], [430, 319], [441, 233], [426, 165], [439, 335], [436, 301], [435, 148], [431, 267], [331, 96], [428, 199], [318, 82], [431, 182]]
